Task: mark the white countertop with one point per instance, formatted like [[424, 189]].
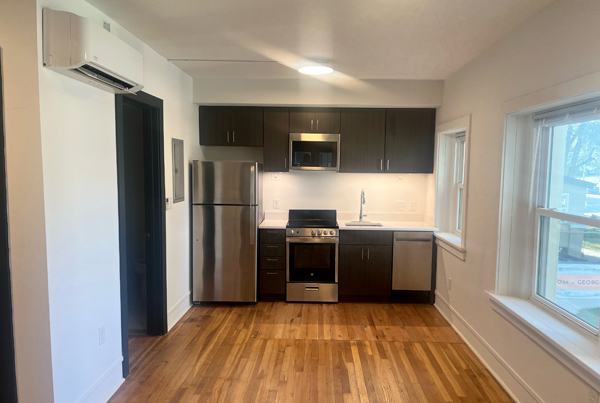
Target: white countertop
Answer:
[[387, 226]]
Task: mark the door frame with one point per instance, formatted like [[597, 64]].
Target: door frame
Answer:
[[8, 371], [156, 264]]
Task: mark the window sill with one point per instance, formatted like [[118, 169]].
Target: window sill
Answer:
[[452, 243], [576, 350]]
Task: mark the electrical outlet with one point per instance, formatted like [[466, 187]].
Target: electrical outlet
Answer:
[[413, 206], [101, 335], [449, 283], [400, 205], [276, 203], [169, 203], [593, 396]]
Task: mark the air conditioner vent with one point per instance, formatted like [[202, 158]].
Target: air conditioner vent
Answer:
[[101, 76]]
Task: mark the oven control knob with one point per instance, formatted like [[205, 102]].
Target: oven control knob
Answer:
[[319, 232], [291, 232], [325, 232], [313, 232], [331, 232]]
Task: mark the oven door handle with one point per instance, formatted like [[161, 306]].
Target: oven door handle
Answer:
[[302, 239]]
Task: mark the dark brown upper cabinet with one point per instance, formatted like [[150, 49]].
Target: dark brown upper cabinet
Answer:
[[277, 134], [231, 126], [362, 143], [315, 120], [409, 140]]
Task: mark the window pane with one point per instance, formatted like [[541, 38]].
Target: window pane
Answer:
[[460, 161], [459, 215], [569, 268], [574, 169]]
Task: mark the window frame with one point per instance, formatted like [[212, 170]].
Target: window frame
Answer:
[[446, 187], [542, 176], [459, 183]]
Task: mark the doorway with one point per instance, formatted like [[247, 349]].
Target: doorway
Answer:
[[142, 240], [8, 377]]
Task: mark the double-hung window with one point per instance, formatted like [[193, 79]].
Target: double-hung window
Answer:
[[567, 210], [459, 181]]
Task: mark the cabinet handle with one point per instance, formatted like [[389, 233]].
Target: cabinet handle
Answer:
[[317, 124], [228, 136], [271, 273], [369, 254], [272, 232], [271, 260], [388, 165], [269, 246], [381, 165], [285, 163], [362, 254], [311, 124], [233, 136]]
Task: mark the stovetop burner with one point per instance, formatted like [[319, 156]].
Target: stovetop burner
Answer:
[[312, 219]]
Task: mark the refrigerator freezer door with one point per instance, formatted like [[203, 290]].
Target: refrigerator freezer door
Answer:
[[225, 262], [225, 182]]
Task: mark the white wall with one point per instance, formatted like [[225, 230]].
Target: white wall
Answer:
[[26, 200], [315, 91], [552, 48], [80, 184], [341, 191]]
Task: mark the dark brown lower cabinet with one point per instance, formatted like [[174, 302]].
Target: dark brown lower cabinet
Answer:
[[365, 270], [272, 282], [271, 273]]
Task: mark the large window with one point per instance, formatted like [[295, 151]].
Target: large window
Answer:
[[567, 199]]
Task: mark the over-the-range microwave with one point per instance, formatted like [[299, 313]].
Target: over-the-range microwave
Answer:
[[314, 151]]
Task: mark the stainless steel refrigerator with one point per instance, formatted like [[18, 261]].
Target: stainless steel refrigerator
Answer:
[[227, 209]]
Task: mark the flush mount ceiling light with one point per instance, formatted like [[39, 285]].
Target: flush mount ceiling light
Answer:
[[315, 70]]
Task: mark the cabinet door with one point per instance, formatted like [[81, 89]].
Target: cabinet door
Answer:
[[302, 120], [214, 124], [409, 140], [277, 134], [351, 270], [362, 143], [378, 270], [327, 120], [247, 126]]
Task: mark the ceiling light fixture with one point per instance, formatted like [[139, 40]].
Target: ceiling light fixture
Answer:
[[315, 70]]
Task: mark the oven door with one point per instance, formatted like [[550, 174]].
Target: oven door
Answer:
[[314, 151], [312, 260]]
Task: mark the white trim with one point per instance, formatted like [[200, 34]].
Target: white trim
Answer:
[[510, 371], [178, 310], [576, 351], [106, 385], [559, 215], [451, 243]]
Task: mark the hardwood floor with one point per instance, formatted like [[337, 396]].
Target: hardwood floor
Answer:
[[278, 352]]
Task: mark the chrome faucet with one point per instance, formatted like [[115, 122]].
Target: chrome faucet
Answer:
[[363, 201]]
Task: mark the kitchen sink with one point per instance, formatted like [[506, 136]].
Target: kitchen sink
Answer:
[[363, 224]]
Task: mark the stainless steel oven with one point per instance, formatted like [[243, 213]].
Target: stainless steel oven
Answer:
[[312, 265], [314, 151]]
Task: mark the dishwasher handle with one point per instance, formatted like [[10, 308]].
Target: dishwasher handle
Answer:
[[413, 236]]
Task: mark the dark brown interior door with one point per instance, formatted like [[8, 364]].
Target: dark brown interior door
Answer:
[[362, 143], [276, 140], [378, 270], [409, 140], [8, 377], [351, 270]]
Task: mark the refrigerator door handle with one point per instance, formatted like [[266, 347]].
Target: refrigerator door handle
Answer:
[[252, 226], [253, 174]]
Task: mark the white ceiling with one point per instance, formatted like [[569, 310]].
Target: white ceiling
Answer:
[[363, 39]]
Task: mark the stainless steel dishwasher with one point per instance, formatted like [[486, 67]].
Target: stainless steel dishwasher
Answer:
[[413, 256]]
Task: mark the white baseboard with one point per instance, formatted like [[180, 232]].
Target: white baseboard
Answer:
[[178, 310], [442, 305], [105, 386]]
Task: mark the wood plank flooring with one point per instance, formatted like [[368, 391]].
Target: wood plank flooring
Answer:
[[335, 353]]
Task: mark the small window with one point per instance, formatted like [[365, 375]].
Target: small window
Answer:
[[567, 276], [452, 177]]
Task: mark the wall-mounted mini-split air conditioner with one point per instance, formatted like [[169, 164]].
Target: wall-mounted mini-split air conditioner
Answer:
[[82, 49]]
